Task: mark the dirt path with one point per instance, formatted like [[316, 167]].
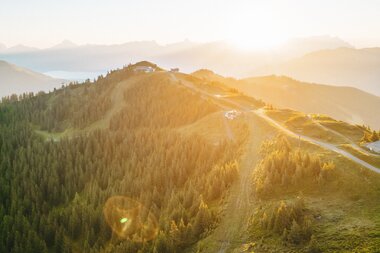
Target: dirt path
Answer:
[[229, 133], [322, 144], [350, 142], [117, 100], [227, 126], [231, 232]]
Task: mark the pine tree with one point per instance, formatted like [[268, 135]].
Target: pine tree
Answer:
[[202, 219], [295, 233], [282, 218]]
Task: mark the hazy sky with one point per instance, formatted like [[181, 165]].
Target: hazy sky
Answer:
[[248, 23]]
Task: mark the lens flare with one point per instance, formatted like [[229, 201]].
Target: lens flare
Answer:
[[129, 219], [123, 220]]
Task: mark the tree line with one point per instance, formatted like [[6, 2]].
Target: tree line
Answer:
[[284, 167]]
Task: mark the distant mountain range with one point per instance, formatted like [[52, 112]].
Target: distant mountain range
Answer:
[[344, 103], [188, 56], [322, 59], [301, 46], [343, 66], [68, 56], [17, 80]]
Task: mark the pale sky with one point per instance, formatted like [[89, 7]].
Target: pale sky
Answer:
[[249, 23]]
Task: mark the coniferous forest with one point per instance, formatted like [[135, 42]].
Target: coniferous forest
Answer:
[[53, 190]]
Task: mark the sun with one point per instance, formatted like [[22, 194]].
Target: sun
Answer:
[[258, 31], [257, 41]]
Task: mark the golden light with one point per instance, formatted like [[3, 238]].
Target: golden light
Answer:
[[257, 38], [253, 28], [260, 43], [129, 219]]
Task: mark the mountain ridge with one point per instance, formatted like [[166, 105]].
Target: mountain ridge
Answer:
[[189, 56], [345, 103], [17, 80], [341, 67]]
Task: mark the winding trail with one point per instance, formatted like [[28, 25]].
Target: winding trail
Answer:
[[351, 142], [322, 144], [117, 102], [230, 233], [229, 132], [231, 230]]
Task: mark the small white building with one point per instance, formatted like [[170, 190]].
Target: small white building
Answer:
[[144, 69], [174, 70], [231, 114], [374, 146]]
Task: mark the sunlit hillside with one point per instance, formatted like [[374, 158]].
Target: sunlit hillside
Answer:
[[343, 103], [149, 160]]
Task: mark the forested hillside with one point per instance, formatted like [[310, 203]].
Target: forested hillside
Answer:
[[169, 162], [53, 190], [312, 201]]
